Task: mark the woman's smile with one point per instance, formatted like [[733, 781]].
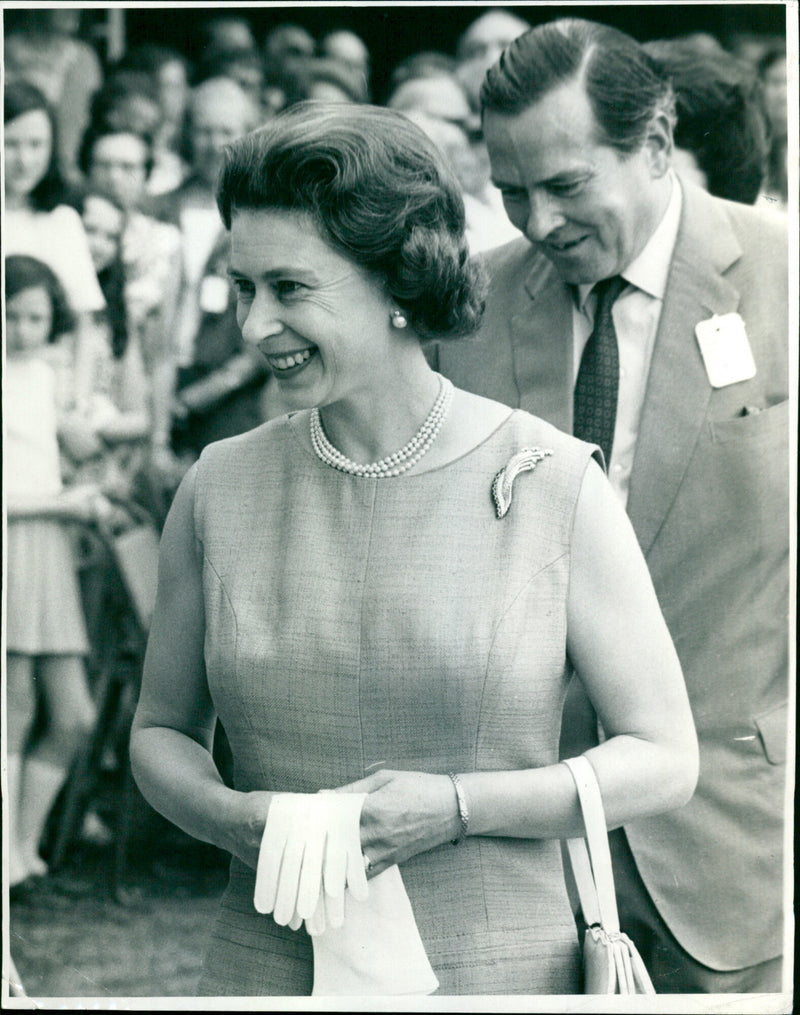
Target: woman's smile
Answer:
[[287, 364]]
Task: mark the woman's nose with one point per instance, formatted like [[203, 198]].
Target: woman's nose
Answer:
[[259, 320]]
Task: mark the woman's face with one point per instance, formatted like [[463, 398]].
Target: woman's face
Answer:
[[29, 320], [28, 147], [103, 223], [119, 165], [321, 321]]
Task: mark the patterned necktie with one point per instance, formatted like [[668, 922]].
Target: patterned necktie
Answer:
[[595, 400]]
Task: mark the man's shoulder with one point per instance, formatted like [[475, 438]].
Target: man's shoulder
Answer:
[[756, 228], [167, 207], [518, 257], [515, 271]]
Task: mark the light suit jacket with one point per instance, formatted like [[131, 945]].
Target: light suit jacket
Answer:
[[709, 503]]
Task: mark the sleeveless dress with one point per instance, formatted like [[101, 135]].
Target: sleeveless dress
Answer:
[[354, 624], [44, 608]]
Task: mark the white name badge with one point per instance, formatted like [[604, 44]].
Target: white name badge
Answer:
[[214, 293], [725, 349]]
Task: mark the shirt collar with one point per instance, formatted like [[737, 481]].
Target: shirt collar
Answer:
[[649, 271]]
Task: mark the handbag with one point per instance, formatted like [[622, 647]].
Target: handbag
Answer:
[[611, 963]]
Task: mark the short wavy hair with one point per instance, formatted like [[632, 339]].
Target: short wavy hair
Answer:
[[379, 191], [623, 84], [23, 272]]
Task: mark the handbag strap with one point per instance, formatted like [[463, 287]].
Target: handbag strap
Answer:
[[591, 868]]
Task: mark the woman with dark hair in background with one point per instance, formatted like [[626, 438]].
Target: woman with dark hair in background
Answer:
[[43, 47], [401, 631], [38, 221]]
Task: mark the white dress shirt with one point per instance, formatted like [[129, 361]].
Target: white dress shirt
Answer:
[[636, 314]]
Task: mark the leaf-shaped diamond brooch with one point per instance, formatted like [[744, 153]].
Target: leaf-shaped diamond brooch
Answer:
[[522, 461]]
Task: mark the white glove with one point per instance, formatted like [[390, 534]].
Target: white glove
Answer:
[[293, 841], [310, 854], [343, 868]]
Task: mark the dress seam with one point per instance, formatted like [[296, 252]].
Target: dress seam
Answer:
[[498, 625], [242, 707], [365, 570]]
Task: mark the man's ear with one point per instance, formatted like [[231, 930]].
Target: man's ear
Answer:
[[658, 144]]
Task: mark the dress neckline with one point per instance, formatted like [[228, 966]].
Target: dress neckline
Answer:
[[297, 424]]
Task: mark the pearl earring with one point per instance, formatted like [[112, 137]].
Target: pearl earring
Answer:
[[398, 319]]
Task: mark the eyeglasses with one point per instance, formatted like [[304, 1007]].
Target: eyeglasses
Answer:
[[130, 168]]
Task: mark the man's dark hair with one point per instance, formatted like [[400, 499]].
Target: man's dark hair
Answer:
[[722, 120], [623, 85]]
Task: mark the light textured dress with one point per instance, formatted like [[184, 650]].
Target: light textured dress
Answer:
[[45, 612], [354, 624]]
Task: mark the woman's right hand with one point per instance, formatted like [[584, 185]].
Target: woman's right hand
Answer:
[[78, 438], [81, 503]]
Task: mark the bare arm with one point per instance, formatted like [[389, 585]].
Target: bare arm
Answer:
[[624, 656], [81, 503], [174, 722]]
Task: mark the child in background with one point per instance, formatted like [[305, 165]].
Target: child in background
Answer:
[[119, 403], [118, 158], [45, 631], [104, 221]]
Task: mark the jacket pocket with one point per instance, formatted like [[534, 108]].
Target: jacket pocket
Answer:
[[771, 726], [768, 422]]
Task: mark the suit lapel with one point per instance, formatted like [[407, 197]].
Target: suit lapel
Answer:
[[678, 393], [541, 341]]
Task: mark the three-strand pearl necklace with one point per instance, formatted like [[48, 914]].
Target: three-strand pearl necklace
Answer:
[[399, 462]]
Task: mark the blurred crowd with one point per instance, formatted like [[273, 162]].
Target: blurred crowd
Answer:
[[123, 354]]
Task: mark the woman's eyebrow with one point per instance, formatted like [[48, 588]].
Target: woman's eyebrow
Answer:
[[276, 272]]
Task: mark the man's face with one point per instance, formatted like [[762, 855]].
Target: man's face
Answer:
[[589, 208], [215, 122]]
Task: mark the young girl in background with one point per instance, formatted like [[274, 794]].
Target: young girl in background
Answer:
[[119, 396], [45, 631], [117, 158]]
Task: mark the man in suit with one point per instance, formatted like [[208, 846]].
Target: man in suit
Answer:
[[218, 382], [579, 129]]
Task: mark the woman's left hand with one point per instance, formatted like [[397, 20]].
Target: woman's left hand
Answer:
[[405, 813]]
